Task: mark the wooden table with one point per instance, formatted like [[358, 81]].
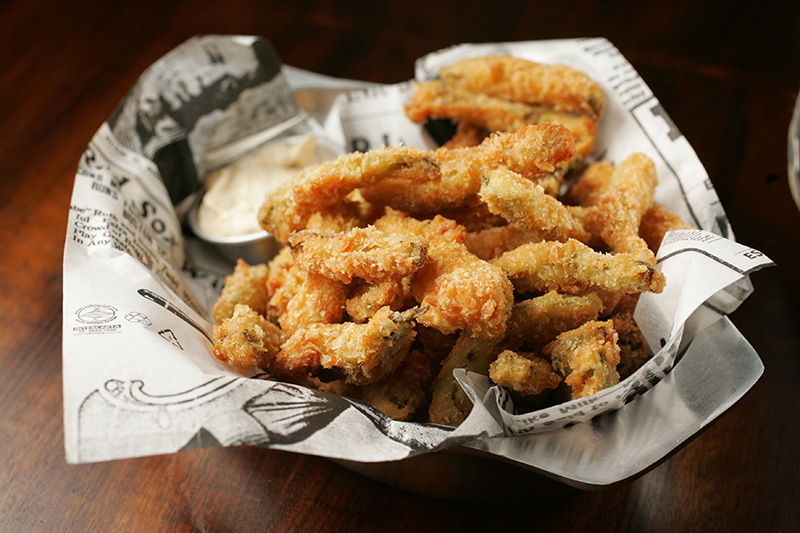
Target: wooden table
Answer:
[[728, 77]]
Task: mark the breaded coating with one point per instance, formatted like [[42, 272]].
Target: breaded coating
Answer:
[[461, 291], [633, 349], [534, 151], [359, 353], [449, 403], [473, 214], [656, 222], [402, 393], [587, 358], [365, 299], [283, 282], [324, 185], [246, 285], [524, 373], [366, 253], [592, 184], [574, 268], [434, 99], [466, 135], [438, 227], [493, 242], [318, 300], [342, 216], [521, 202], [246, 339], [458, 289], [562, 87], [617, 213], [538, 321]]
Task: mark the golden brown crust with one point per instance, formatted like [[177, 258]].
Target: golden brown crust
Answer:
[[247, 286], [587, 357], [518, 80], [524, 373]]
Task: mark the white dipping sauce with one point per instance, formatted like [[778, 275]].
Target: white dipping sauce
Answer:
[[235, 193]]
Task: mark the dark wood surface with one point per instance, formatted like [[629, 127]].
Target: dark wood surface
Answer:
[[728, 76]]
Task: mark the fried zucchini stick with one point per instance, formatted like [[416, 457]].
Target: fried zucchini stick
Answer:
[[318, 300], [402, 393], [449, 403], [587, 358], [519, 201], [537, 321], [574, 268], [535, 151], [246, 339], [246, 285], [524, 373], [434, 99], [359, 353], [366, 253], [617, 213], [562, 87], [324, 185]]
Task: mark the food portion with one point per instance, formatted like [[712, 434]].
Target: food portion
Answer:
[[503, 252]]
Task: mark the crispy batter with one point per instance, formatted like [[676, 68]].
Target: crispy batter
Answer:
[[458, 289], [521, 202], [366, 253], [491, 243], [246, 285], [633, 349], [365, 299], [402, 393], [617, 213], [283, 282], [537, 321], [461, 290], [466, 135], [434, 99], [324, 185], [449, 403], [534, 151], [656, 222], [359, 353], [586, 357], [343, 216], [473, 214], [318, 300], [246, 339], [524, 373], [593, 182], [518, 80], [574, 268]]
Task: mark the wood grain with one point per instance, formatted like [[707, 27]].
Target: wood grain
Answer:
[[727, 76]]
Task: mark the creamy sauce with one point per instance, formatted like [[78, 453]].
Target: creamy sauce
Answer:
[[234, 193]]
